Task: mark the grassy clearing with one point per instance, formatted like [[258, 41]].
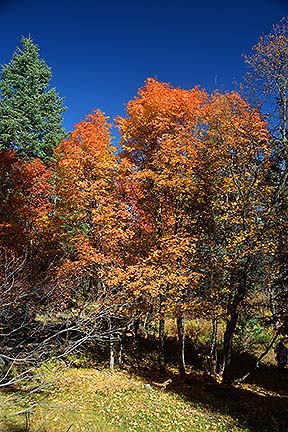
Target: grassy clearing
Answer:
[[94, 400]]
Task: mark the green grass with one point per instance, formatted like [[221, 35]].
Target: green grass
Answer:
[[63, 399], [92, 400]]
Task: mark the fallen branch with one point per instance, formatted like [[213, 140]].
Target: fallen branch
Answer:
[[258, 360]]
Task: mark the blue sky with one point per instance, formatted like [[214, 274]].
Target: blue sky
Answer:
[[102, 52]]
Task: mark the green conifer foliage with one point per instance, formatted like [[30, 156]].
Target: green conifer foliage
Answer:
[[30, 111]]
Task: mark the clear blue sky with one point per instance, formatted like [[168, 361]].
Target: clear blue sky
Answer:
[[102, 52]]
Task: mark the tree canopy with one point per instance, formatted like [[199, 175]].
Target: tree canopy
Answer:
[[185, 220], [30, 110]]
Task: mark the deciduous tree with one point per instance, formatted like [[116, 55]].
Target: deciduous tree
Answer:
[[161, 138], [90, 223], [268, 80], [232, 235], [24, 199]]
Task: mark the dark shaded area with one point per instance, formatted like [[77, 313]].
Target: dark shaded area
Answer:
[[255, 411], [260, 407], [9, 427]]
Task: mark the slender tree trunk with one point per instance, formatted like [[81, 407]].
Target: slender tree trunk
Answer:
[[120, 352], [227, 345], [181, 343], [233, 310], [145, 322], [259, 358], [213, 357], [161, 357], [136, 326], [112, 358], [111, 347]]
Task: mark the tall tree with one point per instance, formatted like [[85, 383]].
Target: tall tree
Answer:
[[30, 111], [161, 137], [89, 219], [267, 79], [232, 235], [91, 226]]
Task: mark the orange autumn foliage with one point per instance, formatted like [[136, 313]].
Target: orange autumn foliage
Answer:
[[91, 221], [24, 199], [161, 138]]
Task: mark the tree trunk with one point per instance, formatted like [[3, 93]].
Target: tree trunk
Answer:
[[112, 359], [227, 345], [136, 326], [259, 358], [161, 346], [233, 310], [120, 352], [111, 347], [213, 355], [181, 343]]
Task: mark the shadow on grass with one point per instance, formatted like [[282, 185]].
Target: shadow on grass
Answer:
[[260, 404], [8, 426]]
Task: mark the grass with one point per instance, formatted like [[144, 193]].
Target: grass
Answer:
[[90, 399], [93, 400]]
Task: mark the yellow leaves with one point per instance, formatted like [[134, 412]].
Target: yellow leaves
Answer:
[[187, 153], [183, 201], [234, 126]]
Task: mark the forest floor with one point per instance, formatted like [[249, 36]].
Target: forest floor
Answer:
[[93, 400]]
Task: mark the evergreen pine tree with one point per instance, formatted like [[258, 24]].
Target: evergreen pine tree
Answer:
[[30, 111]]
